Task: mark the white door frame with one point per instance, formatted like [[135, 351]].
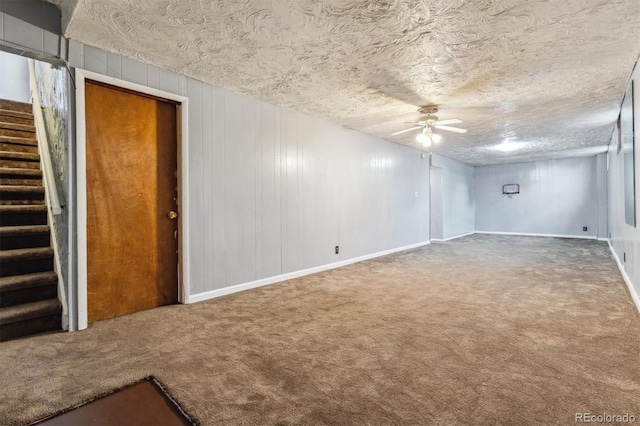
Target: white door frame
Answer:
[[81, 185]]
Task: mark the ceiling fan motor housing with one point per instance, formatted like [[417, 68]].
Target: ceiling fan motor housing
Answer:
[[428, 109], [429, 120]]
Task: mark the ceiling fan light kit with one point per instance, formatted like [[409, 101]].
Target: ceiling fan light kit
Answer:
[[435, 138], [426, 137], [428, 122], [423, 139]]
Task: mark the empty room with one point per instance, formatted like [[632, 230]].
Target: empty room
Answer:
[[319, 212]]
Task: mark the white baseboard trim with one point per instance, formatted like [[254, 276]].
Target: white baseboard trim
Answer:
[[199, 297], [525, 234], [452, 238], [626, 278]]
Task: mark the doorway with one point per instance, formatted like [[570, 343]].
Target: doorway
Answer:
[[132, 219]]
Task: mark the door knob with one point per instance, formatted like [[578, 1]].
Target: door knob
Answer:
[[172, 214]]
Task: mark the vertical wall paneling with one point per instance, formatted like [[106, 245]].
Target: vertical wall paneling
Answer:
[[38, 42], [216, 181], [76, 52], [170, 82], [259, 190], [435, 182], [153, 76], [318, 185], [233, 195], [355, 197], [625, 239], [557, 197], [289, 141], [14, 84], [602, 195], [422, 182], [206, 184], [52, 43], [114, 65], [302, 229], [279, 177], [271, 229], [197, 260], [22, 33], [95, 60], [134, 71], [248, 189]]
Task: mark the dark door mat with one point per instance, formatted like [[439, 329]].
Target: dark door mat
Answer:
[[143, 403]]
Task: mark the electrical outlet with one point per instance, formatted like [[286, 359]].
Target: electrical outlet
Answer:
[[584, 229], [609, 234], [624, 256], [337, 249]]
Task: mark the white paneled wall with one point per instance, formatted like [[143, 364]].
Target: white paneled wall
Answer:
[[602, 195], [16, 33], [14, 80], [435, 194], [273, 191], [458, 198], [556, 197], [625, 239]]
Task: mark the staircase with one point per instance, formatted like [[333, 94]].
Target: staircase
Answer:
[[28, 284]]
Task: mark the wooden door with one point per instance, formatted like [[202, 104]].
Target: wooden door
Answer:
[[132, 260]]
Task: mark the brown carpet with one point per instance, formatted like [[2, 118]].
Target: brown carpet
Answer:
[[479, 330]]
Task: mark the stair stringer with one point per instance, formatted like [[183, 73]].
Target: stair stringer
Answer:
[[62, 294]]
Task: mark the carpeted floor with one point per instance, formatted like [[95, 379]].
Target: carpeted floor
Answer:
[[479, 330]]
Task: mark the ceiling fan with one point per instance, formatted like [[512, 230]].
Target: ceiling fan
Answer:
[[428, 122]]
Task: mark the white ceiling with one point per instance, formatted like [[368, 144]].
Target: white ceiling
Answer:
[[548, 73]]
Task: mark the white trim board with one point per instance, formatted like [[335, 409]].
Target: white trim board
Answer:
[[81, 175], [525, 234], [199, 297], [625, 277], [452, 238]]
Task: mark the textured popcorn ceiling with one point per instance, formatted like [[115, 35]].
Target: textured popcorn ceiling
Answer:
[[550, 73]]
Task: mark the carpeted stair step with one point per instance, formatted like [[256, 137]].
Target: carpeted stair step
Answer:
[[30, 318], [17, 130], [18, 127], [25, 261], [28, 288], [9, 116], [12, 147], [13, 176], [21, 194], [28, 139], [23, 215], [15, 106], [15, 237], [22, 160]]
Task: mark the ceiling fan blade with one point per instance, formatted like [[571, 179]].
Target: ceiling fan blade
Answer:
[[445, 122], [451, 129], [407, 130]]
